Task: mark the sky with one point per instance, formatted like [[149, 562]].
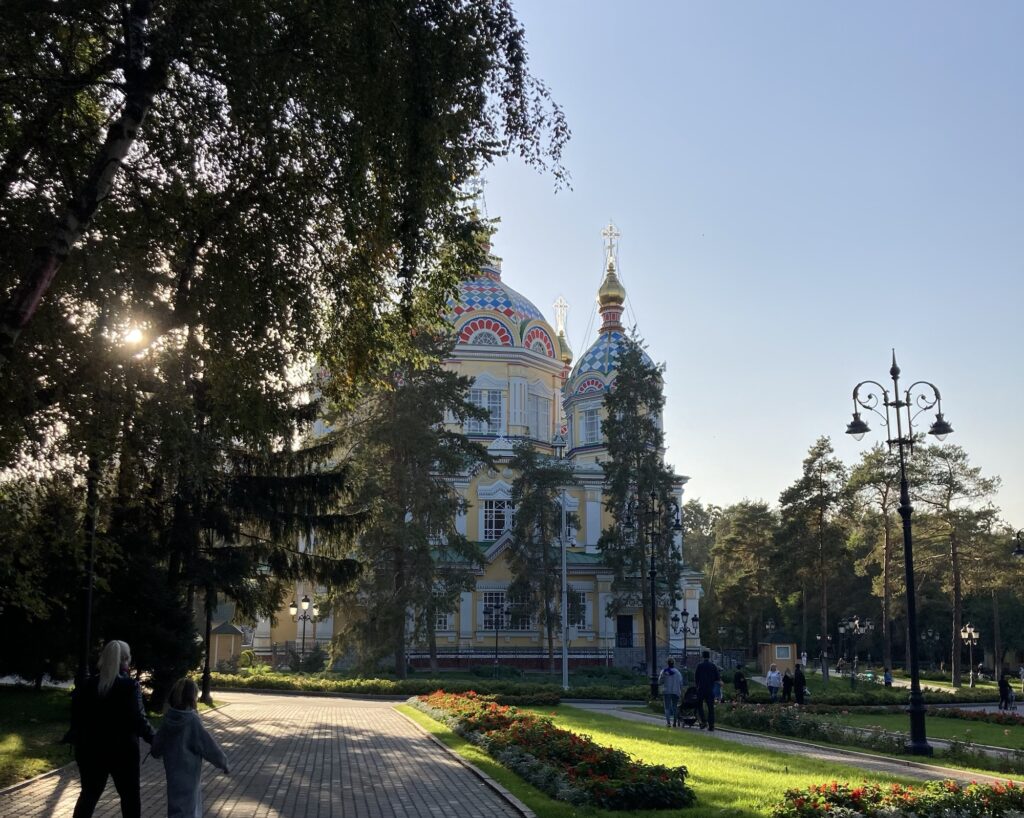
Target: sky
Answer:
[[800, 188]]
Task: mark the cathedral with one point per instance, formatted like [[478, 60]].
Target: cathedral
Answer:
[[524, 373]]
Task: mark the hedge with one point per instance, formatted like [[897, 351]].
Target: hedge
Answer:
[[934, 799]]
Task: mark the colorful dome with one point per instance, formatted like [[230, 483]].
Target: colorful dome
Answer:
[[595, 369], [487, 292], [487, 312]]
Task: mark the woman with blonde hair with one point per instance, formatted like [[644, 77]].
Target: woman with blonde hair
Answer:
[[107, 721], [182, 742]]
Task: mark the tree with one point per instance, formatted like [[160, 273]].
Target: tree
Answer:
[[106, 93], [812, 532], [960, 513], [875, 481], [537, 537], [745, 562], [636, 470], [407, 446]]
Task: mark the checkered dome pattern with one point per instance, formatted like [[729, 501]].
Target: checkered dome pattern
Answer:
[[487, 292], [600, 358]]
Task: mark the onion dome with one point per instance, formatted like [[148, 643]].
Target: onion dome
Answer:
[[487, 312], [564, 348], [595, 370]]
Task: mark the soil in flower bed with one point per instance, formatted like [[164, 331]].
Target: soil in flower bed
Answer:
[[565, 765]]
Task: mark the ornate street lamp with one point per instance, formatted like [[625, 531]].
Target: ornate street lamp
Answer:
[[1018, 550], [497, 614], [855, 627], [970, 635], [558, 443], [303, 617], [656, 512], [683, 623], [926, 397]]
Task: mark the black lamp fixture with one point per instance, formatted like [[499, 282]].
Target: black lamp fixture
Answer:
[[304, 617], [970, 636], [904, 407], [655, 513], [1018, 550]]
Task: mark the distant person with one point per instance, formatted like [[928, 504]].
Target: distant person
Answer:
[[705, 676], [803, 659], [182, 742], [739, 683], [1021, 674], [840, 665], [887, 677], [107, 721], [671, 682], [787, 685], [799, 684], [717, 690], [1004, 690], [773, 681]]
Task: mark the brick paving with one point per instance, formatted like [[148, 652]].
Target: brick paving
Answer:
[[300, 757]]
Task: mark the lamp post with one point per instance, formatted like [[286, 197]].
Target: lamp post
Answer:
[[656, 512], [683, 623], [563, 536], [303, 617], [1018, 550], [824, 643], [970, 636], [931, 638], [926, 397], [855, 627], [497, 614]]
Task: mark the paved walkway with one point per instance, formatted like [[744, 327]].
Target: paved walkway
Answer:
[[301, 757], [864, 761]]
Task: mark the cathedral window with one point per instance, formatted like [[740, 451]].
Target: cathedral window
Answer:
[[591, 427], [443, 622], [497, 518], [539, 417], [489, 399]]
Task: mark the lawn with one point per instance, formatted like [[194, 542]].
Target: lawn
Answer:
[[31, 726], [978, 732], [731, 781]]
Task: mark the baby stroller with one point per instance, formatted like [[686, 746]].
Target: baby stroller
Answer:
[[686, 713]]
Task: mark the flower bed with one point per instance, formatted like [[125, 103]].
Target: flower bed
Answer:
[[933, 799], [1001, 717], [566, 766]]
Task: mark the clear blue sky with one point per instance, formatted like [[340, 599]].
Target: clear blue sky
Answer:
[[800, 187]]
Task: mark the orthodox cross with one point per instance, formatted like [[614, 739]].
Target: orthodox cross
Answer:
[[561, 310], [611, 234]]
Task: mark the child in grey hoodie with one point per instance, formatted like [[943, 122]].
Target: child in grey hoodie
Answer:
[[183, 743]]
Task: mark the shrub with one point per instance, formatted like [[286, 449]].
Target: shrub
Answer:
[[247, 658], [314, 661], [503, 672], [933, 799], [565, 765], [228, 665]]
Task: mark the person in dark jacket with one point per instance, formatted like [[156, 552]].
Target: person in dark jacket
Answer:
[[739, 683], [787, 685], [799, 684], [182, 742], [107, 721], [1004, 690], [704, 677]]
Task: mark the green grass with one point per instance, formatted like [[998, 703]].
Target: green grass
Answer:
[[31, 726], [978, 732], [731, 780]]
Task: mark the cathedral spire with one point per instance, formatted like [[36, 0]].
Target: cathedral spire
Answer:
[[612, 295]]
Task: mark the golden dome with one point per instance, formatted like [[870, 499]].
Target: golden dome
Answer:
[[564, 348], [612, 293]]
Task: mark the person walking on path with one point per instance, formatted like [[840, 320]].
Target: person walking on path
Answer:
[[107, 721], [773, 681], [887, 677], [705, 677], [787, 685], [182, 742], [671, 682], [799, 684], [1004, 690]]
